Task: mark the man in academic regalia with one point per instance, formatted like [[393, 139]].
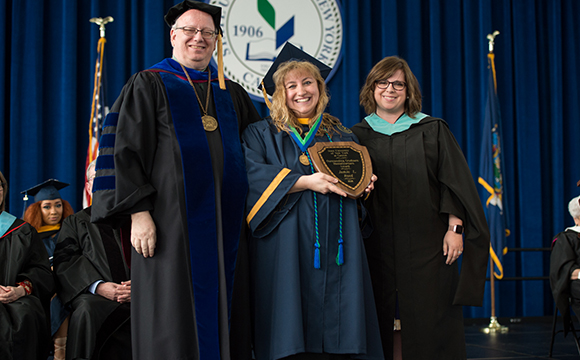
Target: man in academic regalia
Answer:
[[171, 162], [93, 278], [565, 266]]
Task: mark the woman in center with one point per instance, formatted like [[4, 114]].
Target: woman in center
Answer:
[[311, 291]]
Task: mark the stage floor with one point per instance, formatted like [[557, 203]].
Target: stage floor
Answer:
[[526, 339]]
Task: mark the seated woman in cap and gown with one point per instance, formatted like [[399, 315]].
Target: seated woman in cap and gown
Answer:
[[310, 282], [26, 285], [46, 215]]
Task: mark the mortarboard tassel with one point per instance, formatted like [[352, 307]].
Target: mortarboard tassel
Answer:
[[220, 57], [268, 103]]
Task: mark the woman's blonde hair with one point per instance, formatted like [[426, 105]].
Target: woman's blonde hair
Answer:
[[4, 193], [383, 70], [282, 116], [33, 214]]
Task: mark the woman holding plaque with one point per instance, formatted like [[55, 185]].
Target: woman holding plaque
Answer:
[[311, 289], [426, 213], [26, 285]]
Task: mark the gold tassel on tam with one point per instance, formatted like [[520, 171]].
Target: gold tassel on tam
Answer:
[[268, 103], [220, 62]]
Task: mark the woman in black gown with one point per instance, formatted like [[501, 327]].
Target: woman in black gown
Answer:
[[26, 285], [426, 213]]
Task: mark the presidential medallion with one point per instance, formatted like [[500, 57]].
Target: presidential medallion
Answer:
[[209, 123]]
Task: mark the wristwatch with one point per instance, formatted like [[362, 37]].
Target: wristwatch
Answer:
[[458, 229]]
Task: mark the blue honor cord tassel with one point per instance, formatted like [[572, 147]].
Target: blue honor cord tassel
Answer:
[[340, 255], [317, 257]]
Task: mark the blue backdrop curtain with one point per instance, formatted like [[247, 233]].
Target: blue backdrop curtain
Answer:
[[48, 48]]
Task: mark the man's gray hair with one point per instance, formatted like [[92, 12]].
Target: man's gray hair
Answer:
[[91, 164], [574, 207]]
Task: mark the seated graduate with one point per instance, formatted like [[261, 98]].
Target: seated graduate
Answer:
[[26, 286], [311, 287], [93, 279], [565, 266], [46, 215]]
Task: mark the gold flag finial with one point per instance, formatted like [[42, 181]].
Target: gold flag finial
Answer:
[[491, 38], [102, 22]]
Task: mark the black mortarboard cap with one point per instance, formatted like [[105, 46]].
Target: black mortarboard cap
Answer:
[[177, 10], [291, 52], [47, 190]]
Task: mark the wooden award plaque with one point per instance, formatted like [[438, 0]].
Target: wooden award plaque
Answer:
[[347, 161]]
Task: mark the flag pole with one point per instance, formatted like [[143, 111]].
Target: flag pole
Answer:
[[494, 326], [95, 109], [98, 70]]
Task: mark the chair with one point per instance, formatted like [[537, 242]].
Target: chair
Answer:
[[554, 332]]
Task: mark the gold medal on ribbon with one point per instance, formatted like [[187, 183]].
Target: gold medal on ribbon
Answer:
[[209, 123], [304, 159]]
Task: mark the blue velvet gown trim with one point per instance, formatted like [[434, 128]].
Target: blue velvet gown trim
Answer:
[[200, 194]]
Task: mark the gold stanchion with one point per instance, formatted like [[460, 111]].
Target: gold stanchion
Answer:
[[494, 326]]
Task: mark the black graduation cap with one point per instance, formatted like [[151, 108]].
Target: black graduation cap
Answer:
[[177, 10], [47, 190], [291, 52]]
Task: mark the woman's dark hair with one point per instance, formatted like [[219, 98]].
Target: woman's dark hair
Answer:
[[383, 70]]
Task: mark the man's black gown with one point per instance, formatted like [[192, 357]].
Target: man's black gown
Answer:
[[86, 253], [25, 323], [423, 177], [565, 258], [155, 155]]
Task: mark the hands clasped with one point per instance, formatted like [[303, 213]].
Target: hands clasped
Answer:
[[115, 292], [9, 294]]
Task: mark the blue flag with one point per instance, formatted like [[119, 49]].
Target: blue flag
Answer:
[[490, 174]]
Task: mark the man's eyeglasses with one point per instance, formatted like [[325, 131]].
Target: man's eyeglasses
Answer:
[[190, 31], [397, 85]]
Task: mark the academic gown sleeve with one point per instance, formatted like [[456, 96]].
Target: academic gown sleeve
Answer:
[[36, 267], [268, 201], [24, 257], [128, 148], [459, 197]]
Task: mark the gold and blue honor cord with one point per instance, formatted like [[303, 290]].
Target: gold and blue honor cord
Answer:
[[340, 255]]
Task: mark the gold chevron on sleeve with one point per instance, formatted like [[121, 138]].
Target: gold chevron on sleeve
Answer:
[[266, 194]]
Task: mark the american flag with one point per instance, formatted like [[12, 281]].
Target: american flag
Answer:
[[98, 112]]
